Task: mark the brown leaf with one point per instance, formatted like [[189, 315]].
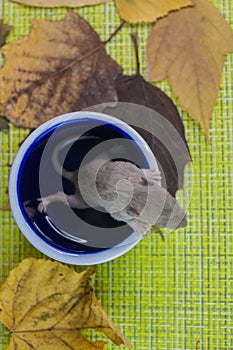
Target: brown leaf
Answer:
[[45, 305], [146, 10], [59, 3], [188, 47], [164, 133], [61, 66], [4, 31]]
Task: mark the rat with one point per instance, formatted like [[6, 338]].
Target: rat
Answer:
[[127, 192]]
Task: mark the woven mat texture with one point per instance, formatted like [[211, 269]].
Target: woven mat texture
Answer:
[[162, 295]]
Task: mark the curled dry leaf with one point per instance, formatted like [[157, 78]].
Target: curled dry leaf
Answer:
[[163, 131], [60, 67], [188, 47], [45, 305], [146, 10], [59, 3], [4, 31]]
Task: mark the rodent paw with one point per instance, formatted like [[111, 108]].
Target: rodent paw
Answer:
[[152, 176], [42, 206]]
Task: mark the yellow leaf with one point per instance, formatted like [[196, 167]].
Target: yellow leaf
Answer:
[[188, 47], [60, 67], [45, 305], [148, 10], [59, 3]]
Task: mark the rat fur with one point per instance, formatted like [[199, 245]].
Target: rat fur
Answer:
[[126, 192]]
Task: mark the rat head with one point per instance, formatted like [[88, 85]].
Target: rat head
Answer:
[[172, 215]]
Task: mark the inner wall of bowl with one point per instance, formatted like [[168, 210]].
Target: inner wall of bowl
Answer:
[[28, 188]]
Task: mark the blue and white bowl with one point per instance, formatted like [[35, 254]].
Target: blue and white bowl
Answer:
[[94, 237]]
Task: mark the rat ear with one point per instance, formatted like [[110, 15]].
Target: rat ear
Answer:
[[139, 227]]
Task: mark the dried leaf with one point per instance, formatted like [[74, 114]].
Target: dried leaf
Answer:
[[45, 305], [188, 47], [134, 89], [61, 66], [59, 3], [4, 125], [146, 10], [4, 31]]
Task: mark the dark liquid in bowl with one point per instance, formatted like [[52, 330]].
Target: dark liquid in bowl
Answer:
[[54, 231]]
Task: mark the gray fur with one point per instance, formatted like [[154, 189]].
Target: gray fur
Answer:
[[125, 191]]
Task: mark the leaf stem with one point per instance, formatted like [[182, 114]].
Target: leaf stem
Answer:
[[197, 344], [135, 42], [95, 49], [114, 33], [89, 53]]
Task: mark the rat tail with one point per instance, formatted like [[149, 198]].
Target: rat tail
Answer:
[[57, 164], [68, 142]]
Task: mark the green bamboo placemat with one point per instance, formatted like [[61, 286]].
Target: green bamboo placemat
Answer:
[[162, 295]]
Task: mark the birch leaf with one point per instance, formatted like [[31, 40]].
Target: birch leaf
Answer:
[[188, 47], [60, 67], [45, 305], [59, 3], [146, 10]]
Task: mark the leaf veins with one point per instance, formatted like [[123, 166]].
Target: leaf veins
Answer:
[[188, 47], [45, 305], [60, 67]]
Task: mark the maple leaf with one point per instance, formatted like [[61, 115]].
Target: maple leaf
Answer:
[[45, 305], [188, 47], [4, 31], [164, 133], [60, 67], [59, 3], [146, 10]]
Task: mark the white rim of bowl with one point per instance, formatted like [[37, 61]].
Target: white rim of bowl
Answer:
[[66, 257]]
